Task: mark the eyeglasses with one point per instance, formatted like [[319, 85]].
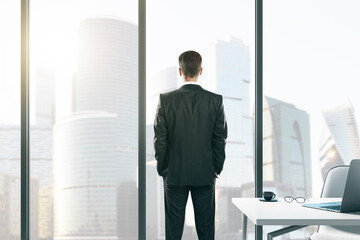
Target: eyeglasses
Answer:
[[289, 199]]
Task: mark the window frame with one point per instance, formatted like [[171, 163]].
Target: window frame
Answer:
[[25, 126]]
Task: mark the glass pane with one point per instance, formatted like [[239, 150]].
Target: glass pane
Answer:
[[311, 97], [10, 62], [84, 115], [223, 33]]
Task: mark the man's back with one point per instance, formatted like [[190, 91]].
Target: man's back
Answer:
[[190, 132]]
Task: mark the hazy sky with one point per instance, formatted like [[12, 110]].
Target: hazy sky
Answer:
[[311, 48]]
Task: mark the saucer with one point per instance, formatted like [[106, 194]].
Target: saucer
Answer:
[[272, 200]]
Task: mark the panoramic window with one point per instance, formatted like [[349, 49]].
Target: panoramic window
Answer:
[[84, 107], [223, 33], [84, 119], [311, 102]]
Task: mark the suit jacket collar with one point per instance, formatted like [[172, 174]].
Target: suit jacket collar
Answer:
[[191, 86], [194, 86]]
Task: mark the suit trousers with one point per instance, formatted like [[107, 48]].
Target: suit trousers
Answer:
[[203, 198]]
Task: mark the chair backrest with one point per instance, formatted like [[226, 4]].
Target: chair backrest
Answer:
[[334, 184]]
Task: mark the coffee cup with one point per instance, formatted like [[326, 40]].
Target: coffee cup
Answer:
[[268, 196]]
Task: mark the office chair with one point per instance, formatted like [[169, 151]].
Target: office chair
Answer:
[[334, 186]]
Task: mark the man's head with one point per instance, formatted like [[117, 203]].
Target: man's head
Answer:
[[190, 65]]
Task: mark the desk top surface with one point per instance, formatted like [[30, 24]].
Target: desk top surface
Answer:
[[283, 213]]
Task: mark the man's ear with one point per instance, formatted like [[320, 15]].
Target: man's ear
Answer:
[[180, 72], [200, 71]]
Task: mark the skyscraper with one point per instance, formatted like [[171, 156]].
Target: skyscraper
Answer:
[[340, 142], [95, 158], [107, 80], [86, 176], [232, 72], [286, 148], [233, 80]]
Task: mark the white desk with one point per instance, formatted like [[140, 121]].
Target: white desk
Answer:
[[283, 213]]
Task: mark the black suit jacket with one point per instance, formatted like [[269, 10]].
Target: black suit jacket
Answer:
[[190, 136]]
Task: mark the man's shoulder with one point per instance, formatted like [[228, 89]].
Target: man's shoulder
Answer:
[[168, 94], [212, 94]]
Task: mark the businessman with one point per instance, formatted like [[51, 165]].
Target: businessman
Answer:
[[190, 133]]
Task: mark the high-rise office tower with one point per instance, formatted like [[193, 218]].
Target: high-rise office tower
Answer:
[[286, 148], [107, 80], [87, 176], [95, 158], [340, 142], [232, 68], [232, 73]]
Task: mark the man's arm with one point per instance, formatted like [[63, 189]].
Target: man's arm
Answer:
[[160, 138], [219, 139]]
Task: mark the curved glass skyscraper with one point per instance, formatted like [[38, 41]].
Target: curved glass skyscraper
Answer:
[[95, 148], [86, 175], [107, 81], [286, 146], [340, 141]]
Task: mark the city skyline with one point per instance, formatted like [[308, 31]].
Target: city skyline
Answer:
[[85, 111], [297, 82]]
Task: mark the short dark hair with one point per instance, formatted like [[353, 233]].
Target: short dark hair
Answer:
[[190, 63]]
